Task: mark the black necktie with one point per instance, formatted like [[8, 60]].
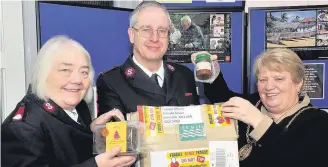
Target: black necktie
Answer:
[[79, 120], [154, 78]]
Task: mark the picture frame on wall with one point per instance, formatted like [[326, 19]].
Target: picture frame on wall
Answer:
[[299, 28], [304, 31], [195, 30]]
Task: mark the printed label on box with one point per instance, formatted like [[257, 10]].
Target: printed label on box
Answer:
[[152, 117], [198, 157], [215, 116], [192, 132], [181, 115], [115, 133], [188, 158]]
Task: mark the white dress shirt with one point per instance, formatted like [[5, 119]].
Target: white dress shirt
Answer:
[[159, 72], [73, 114]]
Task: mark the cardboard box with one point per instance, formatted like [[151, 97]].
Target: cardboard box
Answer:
[[192, 136]]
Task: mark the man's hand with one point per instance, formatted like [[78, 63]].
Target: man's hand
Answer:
[[215, 63]]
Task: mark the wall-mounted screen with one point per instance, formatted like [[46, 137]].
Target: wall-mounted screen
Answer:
[[197, 31], [302, 30], [223, 35]]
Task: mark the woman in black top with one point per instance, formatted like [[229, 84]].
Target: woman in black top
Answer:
[[51, 126], [277, 126]]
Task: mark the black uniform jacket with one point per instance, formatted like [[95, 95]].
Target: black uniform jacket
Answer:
[[41, 134], [127, 86]]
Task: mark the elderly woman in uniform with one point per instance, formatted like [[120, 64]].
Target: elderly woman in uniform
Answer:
[[51, 125], [281, 128]]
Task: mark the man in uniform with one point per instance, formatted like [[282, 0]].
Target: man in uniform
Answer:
[[144, 79]]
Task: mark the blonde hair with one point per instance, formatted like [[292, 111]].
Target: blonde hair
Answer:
[[280, 59], [44, 62]]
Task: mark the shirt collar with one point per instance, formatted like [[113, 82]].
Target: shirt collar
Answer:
[[159, 72], [72, 114]]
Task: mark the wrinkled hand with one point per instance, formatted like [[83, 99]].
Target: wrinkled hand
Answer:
[[242, 110], [105, 117], [110, 159], [193, 56]]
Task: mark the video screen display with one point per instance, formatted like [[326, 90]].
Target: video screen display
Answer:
[[304, 31], [198, 31]]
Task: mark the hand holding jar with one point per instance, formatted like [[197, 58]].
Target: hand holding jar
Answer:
[[206, 66]]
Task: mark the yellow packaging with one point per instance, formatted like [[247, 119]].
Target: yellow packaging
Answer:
[[191, 136]]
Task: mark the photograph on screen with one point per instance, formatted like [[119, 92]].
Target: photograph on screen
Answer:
[[291, 29], [322, 40], [323, 15], [198, 31], [322, 27], [303, 31]]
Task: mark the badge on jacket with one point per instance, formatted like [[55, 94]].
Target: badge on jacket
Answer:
[[188, 94], [48, 107], [130, 71], [170, 67]]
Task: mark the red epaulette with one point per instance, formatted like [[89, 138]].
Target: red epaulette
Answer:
[[20, 113]]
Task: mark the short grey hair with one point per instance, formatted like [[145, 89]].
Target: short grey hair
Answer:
[[185, 18], [143, 5], [44, 61], [281, 59]]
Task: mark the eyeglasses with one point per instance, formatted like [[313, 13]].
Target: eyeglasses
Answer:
[[148, 32]]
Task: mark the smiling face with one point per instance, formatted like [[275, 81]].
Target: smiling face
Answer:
[[277, 90], [68, 79], [153, 47]]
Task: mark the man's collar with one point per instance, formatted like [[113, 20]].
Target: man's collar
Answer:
[[159, 72]]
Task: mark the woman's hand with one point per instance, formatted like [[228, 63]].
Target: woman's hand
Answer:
[[110, 159], [104, 118], [242, 110]]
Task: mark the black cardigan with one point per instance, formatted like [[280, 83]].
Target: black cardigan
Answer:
[[304, 143]]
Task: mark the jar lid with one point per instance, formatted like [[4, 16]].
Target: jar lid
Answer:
[[203, 56]]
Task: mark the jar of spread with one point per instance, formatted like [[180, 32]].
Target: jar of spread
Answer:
[[203, 66]]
